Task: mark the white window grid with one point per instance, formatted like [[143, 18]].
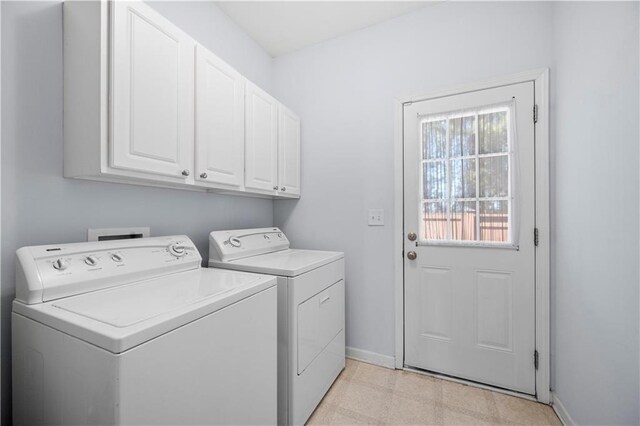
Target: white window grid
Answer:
[[447, 160]]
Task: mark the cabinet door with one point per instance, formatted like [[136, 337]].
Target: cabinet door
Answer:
[[152, 79], [261, 139], [219, 121], [288, 152]]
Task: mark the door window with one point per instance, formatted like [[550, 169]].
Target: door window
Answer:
[[467, 177]]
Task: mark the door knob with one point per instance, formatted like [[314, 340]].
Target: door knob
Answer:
[[275, 187], [283, 189], [412, 236], [412, 255], [185, 172], [203, 175]]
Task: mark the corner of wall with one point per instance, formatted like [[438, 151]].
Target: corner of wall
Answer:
[[561, 411]]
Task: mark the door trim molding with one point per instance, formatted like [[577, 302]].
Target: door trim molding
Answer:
[[540, 78]]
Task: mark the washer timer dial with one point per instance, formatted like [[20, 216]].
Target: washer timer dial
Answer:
[[177, 249], [60, 264]]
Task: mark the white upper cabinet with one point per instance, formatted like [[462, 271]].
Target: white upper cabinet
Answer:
[[145, 104], [261, 140], [288, 152], [219, 155], [152, 83]]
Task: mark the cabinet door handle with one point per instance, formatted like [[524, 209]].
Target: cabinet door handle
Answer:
[[185, 172], [283, 189], [275, 188], [203, 175], [325, 299]]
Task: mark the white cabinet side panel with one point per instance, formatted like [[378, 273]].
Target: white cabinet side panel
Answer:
[[85, 97]]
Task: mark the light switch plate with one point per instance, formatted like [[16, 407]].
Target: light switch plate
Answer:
[[376, 217]]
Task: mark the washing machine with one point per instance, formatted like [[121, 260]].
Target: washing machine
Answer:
[[137, 332], [311, 303]]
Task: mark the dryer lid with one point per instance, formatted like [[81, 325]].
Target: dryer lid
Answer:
[[288, 263]]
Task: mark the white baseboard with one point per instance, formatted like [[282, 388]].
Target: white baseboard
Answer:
[[371, 357], [562, 412]]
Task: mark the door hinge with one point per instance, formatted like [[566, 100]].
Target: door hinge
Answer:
[[402, 254], [535, 359], [535, 114], [535, 237]]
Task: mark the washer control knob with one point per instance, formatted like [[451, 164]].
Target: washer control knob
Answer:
[[116, 257], [60, 264], [177, 249], [234, 241], [91, 260], [279, 234]]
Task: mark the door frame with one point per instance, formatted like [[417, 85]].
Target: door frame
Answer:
[[540, 78]]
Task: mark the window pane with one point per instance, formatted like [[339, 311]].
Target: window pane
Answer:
[[463, 178], [434, 180], [494, 221], [434, 139], [462, 136], [466, 176], [434, 216], [494, 176], [492, 129], [463, 220]]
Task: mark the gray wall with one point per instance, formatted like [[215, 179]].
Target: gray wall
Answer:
[[595, 238], [38, 205], [344, 91]]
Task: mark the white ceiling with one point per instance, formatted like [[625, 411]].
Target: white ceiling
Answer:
[[282, 27]]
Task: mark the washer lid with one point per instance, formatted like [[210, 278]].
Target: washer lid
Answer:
[[129, 305], [120, 318], [288, 263]]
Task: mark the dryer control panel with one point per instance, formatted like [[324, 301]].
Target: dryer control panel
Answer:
[[240, 243], [52, 272]]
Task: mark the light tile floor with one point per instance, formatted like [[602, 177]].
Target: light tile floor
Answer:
[[367, 394]]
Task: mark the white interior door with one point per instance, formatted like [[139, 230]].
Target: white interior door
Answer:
[[469, 223], [288, 151], [152, 77], [219, 121], [261, 139]]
